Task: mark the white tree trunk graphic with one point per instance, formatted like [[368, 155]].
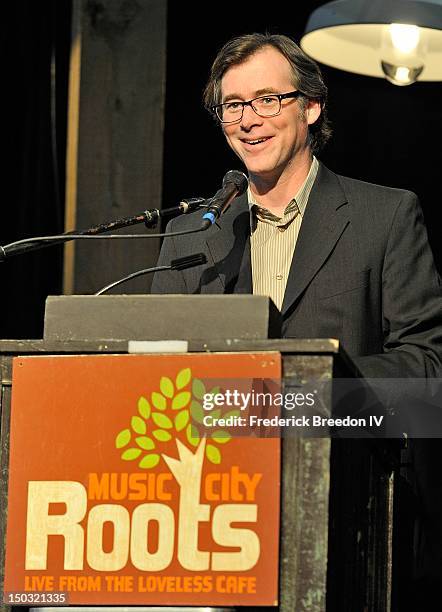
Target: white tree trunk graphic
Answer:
[[187, 472]]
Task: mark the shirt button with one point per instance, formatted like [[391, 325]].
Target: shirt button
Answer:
[[281, 228], [279, 277]]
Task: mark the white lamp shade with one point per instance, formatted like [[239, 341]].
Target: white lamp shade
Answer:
[[350, 34]]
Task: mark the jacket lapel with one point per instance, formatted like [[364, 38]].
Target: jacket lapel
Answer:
[[325, 218], [229, 246]]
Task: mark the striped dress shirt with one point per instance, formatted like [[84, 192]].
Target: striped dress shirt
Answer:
[[273, 240]]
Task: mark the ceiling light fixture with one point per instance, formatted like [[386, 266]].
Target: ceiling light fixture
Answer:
[[400, 40]]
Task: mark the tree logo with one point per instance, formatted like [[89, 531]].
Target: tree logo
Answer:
[[172, 415]]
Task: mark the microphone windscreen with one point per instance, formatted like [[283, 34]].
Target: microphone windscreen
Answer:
[[238, 178]]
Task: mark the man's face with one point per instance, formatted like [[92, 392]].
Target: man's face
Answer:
[[280, 138]]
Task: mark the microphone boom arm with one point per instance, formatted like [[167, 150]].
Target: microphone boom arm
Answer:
[[148, 217]]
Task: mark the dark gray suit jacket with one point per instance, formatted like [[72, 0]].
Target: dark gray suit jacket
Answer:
[[362, 272]]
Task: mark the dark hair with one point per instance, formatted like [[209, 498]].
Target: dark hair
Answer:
[[307, 77]]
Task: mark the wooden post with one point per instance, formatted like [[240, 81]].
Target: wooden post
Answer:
[[115, 136]]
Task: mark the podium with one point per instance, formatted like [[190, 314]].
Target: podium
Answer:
[[334, 546]]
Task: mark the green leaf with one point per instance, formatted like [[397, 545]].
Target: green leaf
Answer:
[[192, 435], [196, 411], [221, 436], [215, 390], [181, 420], [183, 378], [144, 407], [159, 401], [149, 461], [130, 454], [198, 388], [161, 420], [181, 400], [161, 435], [122, 438], [145, 443], [138, 425], [166, 387], [216, 413], [213, 454]]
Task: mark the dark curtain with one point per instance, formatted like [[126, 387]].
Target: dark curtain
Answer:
[[36, 39]]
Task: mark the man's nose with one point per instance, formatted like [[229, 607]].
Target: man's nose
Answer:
[[250, 118]]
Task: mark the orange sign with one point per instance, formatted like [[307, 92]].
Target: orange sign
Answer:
[[115, 499]]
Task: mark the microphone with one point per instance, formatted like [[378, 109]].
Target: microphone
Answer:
[[182, 263], [234, 184]]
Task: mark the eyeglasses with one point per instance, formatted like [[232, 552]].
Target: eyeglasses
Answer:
[[264, 106]]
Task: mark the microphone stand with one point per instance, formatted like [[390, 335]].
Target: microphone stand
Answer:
[[149, 217]]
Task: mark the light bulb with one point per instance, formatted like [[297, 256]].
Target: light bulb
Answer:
[[402, 53], [404, 37], [401, 75]]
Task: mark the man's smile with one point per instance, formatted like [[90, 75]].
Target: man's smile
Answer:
[[254, 142]]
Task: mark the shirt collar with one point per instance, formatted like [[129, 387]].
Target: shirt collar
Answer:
[[300, 199]]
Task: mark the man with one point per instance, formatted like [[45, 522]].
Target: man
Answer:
[[339, 257]]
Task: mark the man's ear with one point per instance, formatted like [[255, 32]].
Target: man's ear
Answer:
[[312, 111]]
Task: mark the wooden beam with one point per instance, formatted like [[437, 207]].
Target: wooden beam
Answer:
[[115, 140]]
